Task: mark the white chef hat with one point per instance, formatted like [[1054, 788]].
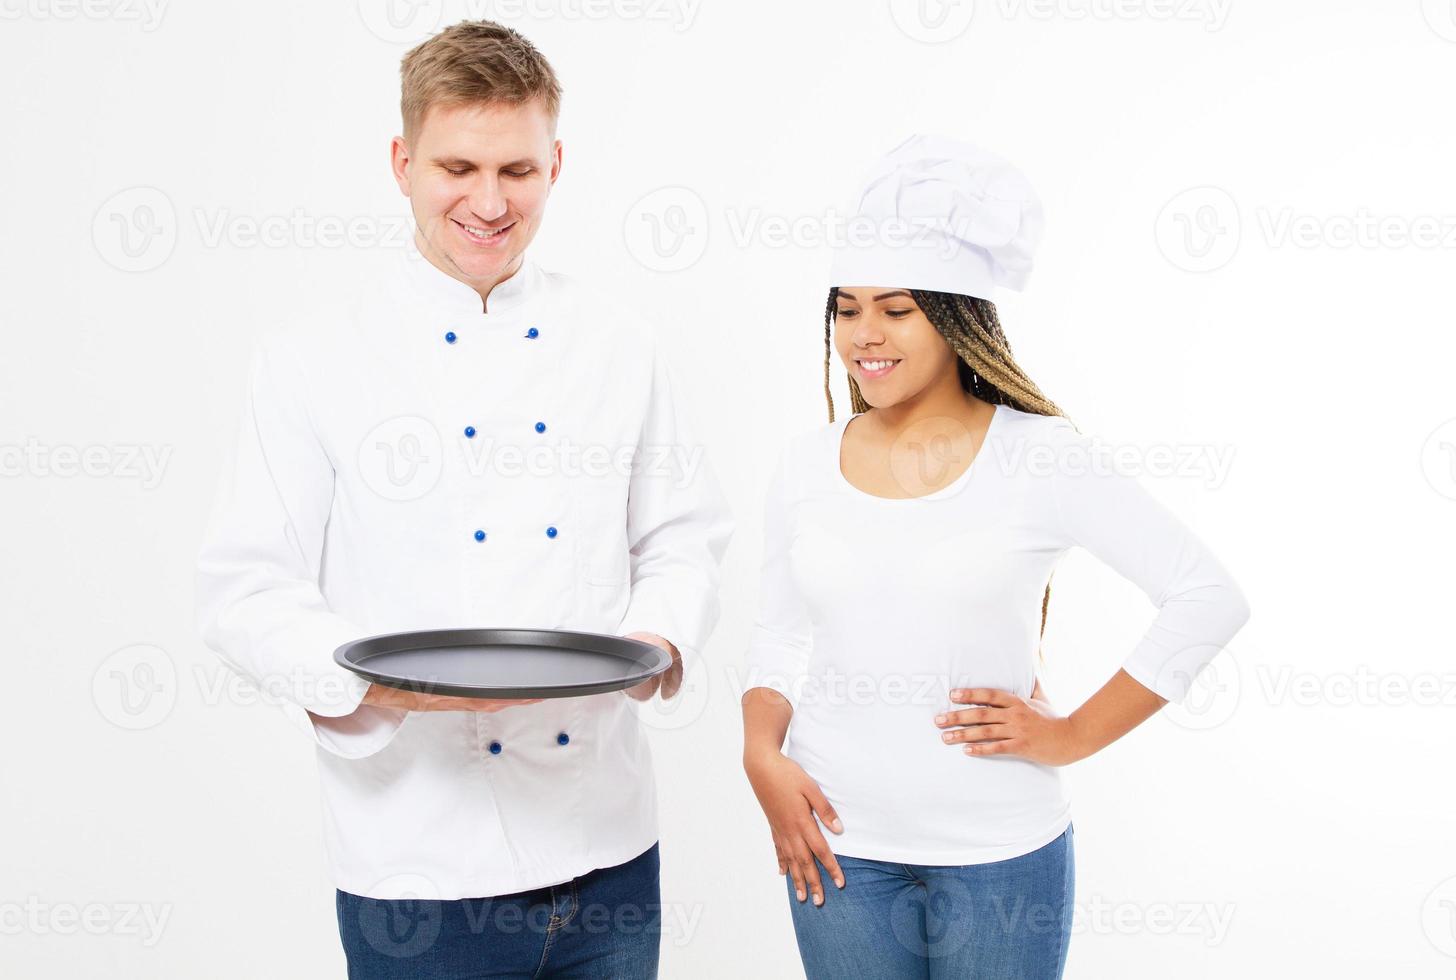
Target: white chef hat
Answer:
[[937, 213]]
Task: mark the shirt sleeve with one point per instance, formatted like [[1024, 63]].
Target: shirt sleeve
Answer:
[[258, 602], [779, 644], [1111, 514], [678, 526]]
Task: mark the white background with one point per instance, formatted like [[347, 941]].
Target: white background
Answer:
[[1249, 251]]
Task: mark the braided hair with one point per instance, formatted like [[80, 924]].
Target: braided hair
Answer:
[[987, 369]]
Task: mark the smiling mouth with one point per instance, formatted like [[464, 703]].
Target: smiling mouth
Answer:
[[876, 367], [483, 235]]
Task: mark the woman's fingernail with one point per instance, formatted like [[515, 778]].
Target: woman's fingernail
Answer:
[[818, 899], [940, 719], [801, 895]]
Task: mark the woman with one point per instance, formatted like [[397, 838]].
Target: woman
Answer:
[[908, 553]]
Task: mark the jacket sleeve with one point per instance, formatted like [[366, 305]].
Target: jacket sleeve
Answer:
[[1199, 605], [258, 602], [781, 639], [678, 526]]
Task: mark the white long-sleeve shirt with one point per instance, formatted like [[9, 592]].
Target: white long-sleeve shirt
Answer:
[[405, 461], [873, 609]]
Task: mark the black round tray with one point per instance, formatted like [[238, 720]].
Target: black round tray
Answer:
[[503, 663]]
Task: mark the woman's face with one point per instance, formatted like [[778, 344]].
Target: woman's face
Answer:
[[888, 346]]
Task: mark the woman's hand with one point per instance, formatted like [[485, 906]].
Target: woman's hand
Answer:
[[391, 697], [790, 799], [1008, 724]]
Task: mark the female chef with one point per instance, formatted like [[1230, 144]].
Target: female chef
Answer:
[[907, 557]]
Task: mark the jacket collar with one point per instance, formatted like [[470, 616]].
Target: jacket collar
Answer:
[[449, 295]]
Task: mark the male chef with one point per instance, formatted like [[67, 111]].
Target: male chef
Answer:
[[469, 441]]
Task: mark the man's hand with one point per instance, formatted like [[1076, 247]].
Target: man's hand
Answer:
[[668, 681], [391, 697]]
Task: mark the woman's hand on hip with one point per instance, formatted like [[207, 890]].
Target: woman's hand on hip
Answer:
[[1004, 723], [790, 799]]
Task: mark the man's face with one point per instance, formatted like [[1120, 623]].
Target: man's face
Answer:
[[477, 178]]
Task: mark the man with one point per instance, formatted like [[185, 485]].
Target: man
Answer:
[[470, 441]]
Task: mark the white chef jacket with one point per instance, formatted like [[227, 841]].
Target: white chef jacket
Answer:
[[406, 461], [872, 610]]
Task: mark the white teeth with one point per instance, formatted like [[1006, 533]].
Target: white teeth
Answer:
[[875, 365], [481, 232]]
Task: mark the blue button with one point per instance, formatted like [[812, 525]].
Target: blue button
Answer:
[[551, 531], [449, 336], [495, 748], [532, 334], [563, 738], [480, 535], [470, 432], [540, 426]]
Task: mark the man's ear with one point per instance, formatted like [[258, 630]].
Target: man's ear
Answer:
[[399, 157], [555, 161]]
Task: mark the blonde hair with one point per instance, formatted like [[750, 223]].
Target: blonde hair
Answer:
[[474, 61]]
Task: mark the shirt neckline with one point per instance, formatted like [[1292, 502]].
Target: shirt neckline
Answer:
[[950, 489]]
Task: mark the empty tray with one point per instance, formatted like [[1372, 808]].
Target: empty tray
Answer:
[[503, 663]]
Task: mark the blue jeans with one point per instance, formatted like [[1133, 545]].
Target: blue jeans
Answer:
[[1005, 920], [606, 923]]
